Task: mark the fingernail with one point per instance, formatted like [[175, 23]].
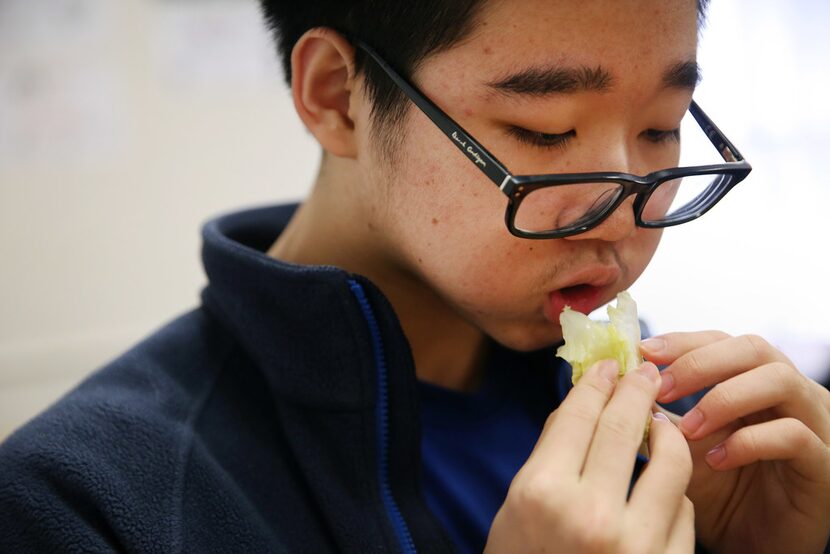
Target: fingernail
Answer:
[[653, 345], [692, 421], [650, 370], [716, 455], [659, 415], [666, 385]]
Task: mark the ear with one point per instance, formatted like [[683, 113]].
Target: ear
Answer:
[[323, 85]]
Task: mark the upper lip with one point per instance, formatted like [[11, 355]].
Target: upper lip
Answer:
[[596, 276]]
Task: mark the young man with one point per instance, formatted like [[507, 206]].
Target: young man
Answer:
[[374, 370]]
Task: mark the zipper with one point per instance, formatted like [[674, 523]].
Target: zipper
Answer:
[[382, 424]]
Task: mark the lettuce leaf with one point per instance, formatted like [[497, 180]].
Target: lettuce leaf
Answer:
[[588, 341]]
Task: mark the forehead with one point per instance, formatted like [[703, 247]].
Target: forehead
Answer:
[[619, 35]]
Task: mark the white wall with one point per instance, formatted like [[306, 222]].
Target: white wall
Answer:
[[758, 262], [124, 125]]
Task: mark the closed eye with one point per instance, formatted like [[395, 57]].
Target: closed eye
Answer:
[[541, 140], [658, 136], [560, 140]]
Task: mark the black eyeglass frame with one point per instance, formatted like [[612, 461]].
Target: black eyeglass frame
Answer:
[[517, 187]]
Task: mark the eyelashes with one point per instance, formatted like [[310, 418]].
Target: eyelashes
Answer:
[[541, 140], [656, 135], [561, 140]]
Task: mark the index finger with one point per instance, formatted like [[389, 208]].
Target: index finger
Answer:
[[699, 360], [665, 349], [567, 436], [613, 451]]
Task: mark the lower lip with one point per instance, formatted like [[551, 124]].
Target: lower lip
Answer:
[[582, 298]]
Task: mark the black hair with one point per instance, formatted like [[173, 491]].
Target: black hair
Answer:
[[405, 32]]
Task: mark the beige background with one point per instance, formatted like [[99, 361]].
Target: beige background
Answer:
[[124, 125]]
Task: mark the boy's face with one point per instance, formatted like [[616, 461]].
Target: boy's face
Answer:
[[445, 220]]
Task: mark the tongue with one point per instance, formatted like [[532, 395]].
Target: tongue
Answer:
[[582, 298]]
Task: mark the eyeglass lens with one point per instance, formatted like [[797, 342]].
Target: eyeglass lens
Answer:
[[684, 197], [568, 206], [565, 206]]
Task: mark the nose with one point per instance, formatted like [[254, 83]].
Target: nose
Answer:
[[620, 224]]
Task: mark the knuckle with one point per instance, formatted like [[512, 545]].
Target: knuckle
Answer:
[[791, 381], [622, 427], [712, 335], [599, 384], [692, 364], [681, 462], [641, 383], [597, 529], [784, 373], [799, 384], [549, 420], [676, 456], [746, 440], [533, 493], [581, 413], [720, 397], [802, 437], [721, 335], [824, 395], [758, 345]]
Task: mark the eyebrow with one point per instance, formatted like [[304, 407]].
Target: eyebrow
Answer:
[[683, 75], [544, 81]]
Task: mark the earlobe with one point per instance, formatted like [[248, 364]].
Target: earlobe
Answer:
[[322, 84]]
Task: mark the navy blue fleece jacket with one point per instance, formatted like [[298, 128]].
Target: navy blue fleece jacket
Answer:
[[281, 415]]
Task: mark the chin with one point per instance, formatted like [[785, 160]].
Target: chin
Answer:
[[527, 338]]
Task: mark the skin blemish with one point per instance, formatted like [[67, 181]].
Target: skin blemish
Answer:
[[468, 112], [434, 221], [488, 50]]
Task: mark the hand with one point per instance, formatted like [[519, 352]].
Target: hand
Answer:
[[759, 441], [570, 496]]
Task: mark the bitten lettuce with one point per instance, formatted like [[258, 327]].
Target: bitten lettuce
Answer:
[[588, 341]]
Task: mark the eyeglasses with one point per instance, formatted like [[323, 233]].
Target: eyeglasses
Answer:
[[564, 204]]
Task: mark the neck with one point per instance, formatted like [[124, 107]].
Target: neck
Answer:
[[336, 226]]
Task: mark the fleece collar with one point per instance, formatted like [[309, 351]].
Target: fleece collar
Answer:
[[302, 325]]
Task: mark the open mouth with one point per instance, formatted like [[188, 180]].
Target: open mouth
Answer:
[[583, 298], [584, 292]]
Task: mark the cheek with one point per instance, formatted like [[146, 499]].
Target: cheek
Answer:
[[440, 206], [492, 284], [449, 230], [452, 234]]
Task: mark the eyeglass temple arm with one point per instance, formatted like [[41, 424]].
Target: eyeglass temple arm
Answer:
[[726, 149], [469, 146]]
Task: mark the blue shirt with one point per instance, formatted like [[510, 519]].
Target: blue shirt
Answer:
[[474, 443]]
